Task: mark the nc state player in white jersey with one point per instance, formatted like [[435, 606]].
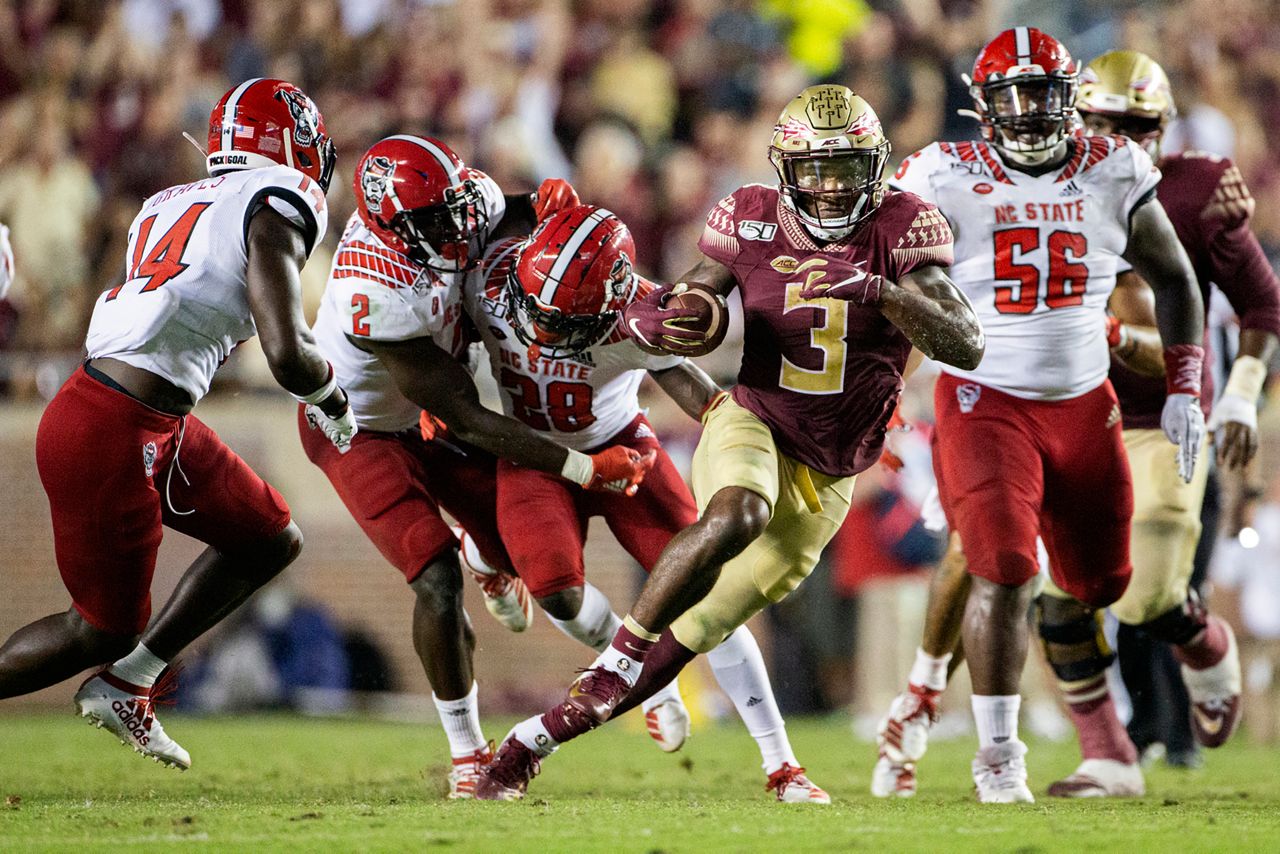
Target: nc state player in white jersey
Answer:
[[1030, 442], [209, 265], [548, 310], [392, 323]]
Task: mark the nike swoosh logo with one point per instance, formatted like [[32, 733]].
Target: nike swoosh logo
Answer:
[[630, 647], [1211, 724], [631, 324]]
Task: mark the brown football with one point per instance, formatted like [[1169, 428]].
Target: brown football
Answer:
[[713, 316]]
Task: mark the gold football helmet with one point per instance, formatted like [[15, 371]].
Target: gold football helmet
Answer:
[[830, 152], [1126, 92]]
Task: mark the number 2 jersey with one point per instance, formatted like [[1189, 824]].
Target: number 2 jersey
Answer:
[[376, 293], [823, 374], [184, 304], [1037, 255], [581, 402]]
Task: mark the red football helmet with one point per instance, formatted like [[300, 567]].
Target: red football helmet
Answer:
[[264, 122], [421, 199], [1024, 89], [570, 281]]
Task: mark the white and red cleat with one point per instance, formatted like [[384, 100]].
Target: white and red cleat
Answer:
[[1101, 778], [902, 738], [1000, 774], [668, 724], [128, 711], [466, 772], [793, 787], [505, 596], [1215, 694]]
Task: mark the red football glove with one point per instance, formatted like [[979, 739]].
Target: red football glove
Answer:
[[658, 329], [431, 427], [888, 458], [845, 281], [1115, 331], [619, 469], [554, 194]]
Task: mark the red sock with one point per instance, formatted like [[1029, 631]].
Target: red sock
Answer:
[[1101, 734], [1207, 648]]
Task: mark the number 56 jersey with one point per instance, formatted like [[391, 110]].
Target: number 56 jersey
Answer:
[[184, 304], [1036, 254]]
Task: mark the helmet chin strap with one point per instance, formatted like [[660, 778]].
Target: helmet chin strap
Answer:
[[821, 233]]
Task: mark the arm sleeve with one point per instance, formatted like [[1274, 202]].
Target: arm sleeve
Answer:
[[719, 240], [1237, 263]]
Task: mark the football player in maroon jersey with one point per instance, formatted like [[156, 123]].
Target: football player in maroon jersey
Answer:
[[839, 279]]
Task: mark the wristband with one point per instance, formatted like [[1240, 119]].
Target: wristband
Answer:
[[1183, 365], [328, 388], [578, 468], [1248, 373]]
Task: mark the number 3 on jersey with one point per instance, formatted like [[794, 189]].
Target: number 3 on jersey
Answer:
[[1067, 277], [164, 261]]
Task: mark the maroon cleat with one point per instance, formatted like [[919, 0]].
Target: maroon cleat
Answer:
[[595, 694], [507, 777]]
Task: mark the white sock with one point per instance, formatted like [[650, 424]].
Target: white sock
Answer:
[[997, 718], [739, 668], [140, 667], [929, 671], [471, 553], [534, 735], [461, 722], [596, 623]]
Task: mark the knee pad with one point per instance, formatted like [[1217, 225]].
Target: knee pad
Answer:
[[1073, 639], [1181, 623]]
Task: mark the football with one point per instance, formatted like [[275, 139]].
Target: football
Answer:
[[712, 311]]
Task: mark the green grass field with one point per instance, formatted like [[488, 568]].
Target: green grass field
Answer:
[[284, 783]]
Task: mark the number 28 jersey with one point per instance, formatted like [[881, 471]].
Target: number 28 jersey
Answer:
[[184, 304], [581, 402], [1037, 255]]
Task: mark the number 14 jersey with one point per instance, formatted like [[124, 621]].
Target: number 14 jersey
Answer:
[[1037, 254]]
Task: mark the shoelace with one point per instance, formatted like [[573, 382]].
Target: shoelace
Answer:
[[783, 777], [594, 677], [513, 768], [494, 586]]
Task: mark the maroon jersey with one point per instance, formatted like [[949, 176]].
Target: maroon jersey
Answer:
[[823, 374], [1210, 206]]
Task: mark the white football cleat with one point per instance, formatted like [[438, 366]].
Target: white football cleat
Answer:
[[891, 779], [128, 711], [668, 724], [505, 596], [1215, 694], [793, 787], [1000, 773], [465, 773], [1101, 778], [902, 738]]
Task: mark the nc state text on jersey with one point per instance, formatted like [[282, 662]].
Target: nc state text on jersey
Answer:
[[1072, 211], [567, 368]]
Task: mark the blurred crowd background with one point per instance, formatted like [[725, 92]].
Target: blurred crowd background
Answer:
[[653, 108]]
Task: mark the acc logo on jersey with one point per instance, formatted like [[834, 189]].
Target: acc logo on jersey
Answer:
[[785, 264], [750, 229], [375, 180], [306, 118], [983, 188]]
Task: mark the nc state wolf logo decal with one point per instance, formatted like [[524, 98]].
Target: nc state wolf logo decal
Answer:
[[306, 118], [375, 180]]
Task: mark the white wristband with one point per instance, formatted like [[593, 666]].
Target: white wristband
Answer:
[[1248, 373], [321, 393], [578, 468]]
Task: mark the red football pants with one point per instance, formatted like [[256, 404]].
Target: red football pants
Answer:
[[104, 460], [394, 485], [543, 518], [1009, 469]]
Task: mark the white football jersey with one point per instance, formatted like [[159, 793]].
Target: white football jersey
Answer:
[[377, 293], [184, 305], [580, 402], [1037, 255]]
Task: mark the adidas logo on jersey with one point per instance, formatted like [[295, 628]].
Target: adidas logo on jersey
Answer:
[[644, 431], [1071, 189]]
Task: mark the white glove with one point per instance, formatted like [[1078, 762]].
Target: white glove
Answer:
[[1233, 407], [340, 431], [1183, 423], [6, 261]]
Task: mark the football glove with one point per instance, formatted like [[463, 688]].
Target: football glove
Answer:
[[554, 194], [845, 281], [339, 430], [658, 329], [615, 469], [1183, 424]]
